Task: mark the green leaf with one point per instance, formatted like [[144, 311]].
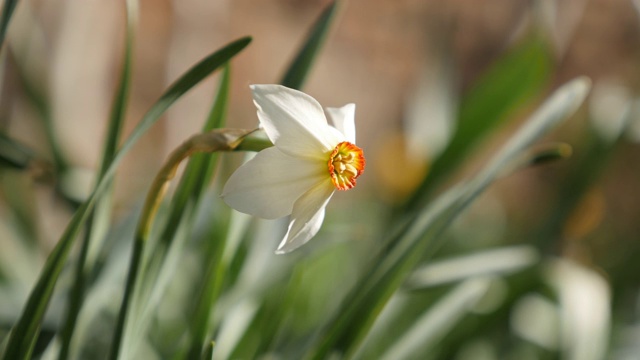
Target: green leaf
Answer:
[[208, 353], [492, 262], [437, 320], [212, 281], [99, 219], [18, 193], [162, 263], [126, 333], [299, 68], [594, 159], [422, 236], [7, 12], [25, 332], [513, 80], [38, 97], [13, 154]]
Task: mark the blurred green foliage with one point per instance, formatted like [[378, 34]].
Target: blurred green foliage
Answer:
[[388, 282]]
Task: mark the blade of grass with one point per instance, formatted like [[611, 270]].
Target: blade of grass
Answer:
[[520, 285], [487, 263], [37, 95], [437, 320], [18, 193], [299, 69], [25, 332], [186, 198], [584, 295], [589, 168], [212, 281], [212, 284], [99, 218], [208, 354], [421, 237], [13, 154], [7, 12], [516, 78], [123, 344]]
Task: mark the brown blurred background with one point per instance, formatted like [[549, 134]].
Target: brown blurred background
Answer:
[[376, 56]]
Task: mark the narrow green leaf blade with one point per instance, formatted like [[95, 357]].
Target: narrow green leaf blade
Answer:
[[439, 319], [13, 154], [99, 218], [7, 12], [187, 196], [180, 87], [510, 82], [423, 234], [299, 68], [497, 261], [38, 97], [588, 168], [124, 340], [25, 332], [119, 107]]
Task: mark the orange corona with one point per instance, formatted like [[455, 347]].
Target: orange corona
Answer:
[[346, 163]]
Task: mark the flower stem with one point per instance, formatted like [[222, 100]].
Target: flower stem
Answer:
[[213, 141]]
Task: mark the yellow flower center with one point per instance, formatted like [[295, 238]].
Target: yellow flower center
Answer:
[[346, 163]]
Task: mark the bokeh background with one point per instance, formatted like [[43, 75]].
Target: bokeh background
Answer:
[[380, 55], [408, 65]]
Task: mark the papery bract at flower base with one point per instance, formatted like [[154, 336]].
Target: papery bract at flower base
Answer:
[[309, 161]]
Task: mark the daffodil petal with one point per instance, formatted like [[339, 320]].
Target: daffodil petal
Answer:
[[307, 216], [294, 121], [343, 119], [268, 185]]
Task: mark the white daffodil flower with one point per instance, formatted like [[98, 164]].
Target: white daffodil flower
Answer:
[[310, 159]]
